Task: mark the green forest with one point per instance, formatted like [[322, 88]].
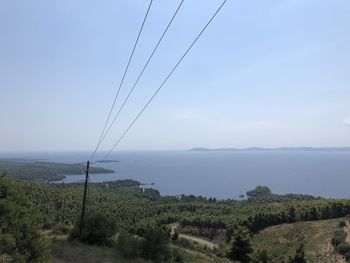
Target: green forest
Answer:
[[140, 223], [44, 171]]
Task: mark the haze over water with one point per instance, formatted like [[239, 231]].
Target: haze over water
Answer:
[[222, 174]]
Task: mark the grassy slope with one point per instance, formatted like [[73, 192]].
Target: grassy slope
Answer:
[[281, 241], [69, 252]]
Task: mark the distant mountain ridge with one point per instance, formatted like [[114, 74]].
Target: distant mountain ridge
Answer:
[[262, 149]]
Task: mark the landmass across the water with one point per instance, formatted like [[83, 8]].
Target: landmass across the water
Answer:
[[21, 160], [107, 161], [291, 149], [44, 171]]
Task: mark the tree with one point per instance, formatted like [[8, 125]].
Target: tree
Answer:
[[299, 255], [155, 245], [313, 215], [325, 212], [129, 246], [240, 247], [98, 229], [175, 236], [292, 215], [260, 192]]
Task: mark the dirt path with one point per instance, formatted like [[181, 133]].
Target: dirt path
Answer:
[[199, 240]]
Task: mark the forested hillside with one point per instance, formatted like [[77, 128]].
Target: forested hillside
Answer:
[[134, 210], [32, 170]]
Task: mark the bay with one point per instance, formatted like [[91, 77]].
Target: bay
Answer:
[[220, 174]]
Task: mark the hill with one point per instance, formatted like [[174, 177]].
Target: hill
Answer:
[[282, 241], [44, 171], [205, 229], [286, 149]]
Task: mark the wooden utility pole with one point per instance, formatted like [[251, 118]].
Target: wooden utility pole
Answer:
[[84, 199]]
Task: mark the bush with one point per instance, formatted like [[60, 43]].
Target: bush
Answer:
[[175, 236], [184, 243], [339, 237], [97, 230], [177, 257], [343, 248], [155, 246], [129, 246], [261, 256], [299, 255], [342, 223], [347, 256], [152, 246]]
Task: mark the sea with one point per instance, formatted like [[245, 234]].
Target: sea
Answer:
[[219, 174]]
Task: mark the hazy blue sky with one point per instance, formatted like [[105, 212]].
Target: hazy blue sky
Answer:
[[266, 73]]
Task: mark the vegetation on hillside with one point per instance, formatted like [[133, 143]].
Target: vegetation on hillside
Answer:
[[44, 171], [339, 239], [141, 218], [20, 239], [264, 194], [283, 242]]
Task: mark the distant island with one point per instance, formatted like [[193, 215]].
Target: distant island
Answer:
[[287, 149], [22, 160], [107, 161], [44, 171]]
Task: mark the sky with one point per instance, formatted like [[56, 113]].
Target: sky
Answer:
[[270, 73]]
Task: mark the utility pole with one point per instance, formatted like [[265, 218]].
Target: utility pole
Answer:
[[84, 199]]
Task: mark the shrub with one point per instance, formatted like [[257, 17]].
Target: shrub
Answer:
[[343, 248], [152, 246], [177, 257], [175, 236], [342, 223], [339, 237], [347, 256], [97, 229], [184, 243], [299, 255], [155, 246], [261, 256], [129, 246]]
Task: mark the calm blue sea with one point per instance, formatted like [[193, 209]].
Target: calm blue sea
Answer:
[[222, 174]]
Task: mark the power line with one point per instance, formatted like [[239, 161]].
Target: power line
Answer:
[[141, 73], [165, 80], [123, 78]]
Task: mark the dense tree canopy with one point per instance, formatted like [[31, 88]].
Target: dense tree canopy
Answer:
[[20, 240]]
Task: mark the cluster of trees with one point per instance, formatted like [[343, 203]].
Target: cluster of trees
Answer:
[[264, 194], [20, 239]]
